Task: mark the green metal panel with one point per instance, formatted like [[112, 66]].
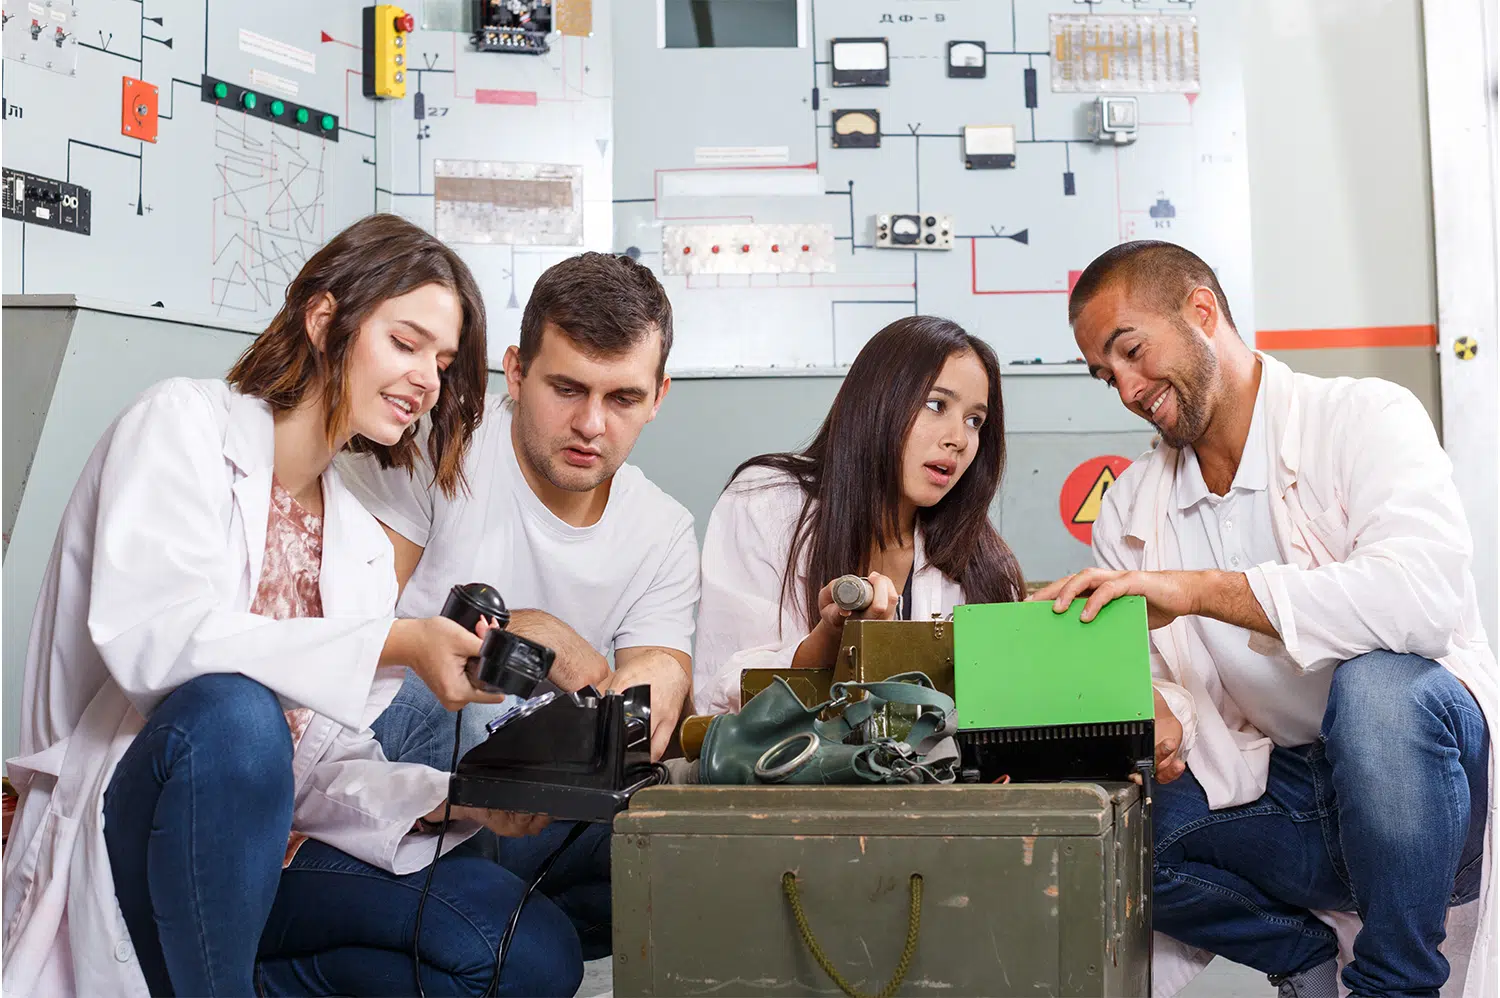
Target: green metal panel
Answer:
[[1019, 665], [1018, 890]]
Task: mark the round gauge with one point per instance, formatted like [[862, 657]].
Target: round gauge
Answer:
[[905, 225]]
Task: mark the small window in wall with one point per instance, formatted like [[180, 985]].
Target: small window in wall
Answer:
[[707, 24]]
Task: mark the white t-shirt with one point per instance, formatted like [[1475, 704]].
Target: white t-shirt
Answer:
[[1233, 533], [630, 580]]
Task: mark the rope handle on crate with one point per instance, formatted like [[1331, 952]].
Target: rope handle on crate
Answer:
[[913, 927]]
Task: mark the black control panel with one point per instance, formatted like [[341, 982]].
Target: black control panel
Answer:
[[40, 201], [271, 108]]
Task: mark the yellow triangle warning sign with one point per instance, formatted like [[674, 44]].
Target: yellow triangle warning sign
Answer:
[[1080, 501], [1088, 511]]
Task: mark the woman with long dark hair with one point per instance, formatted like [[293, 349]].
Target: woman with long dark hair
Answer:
[[896, 486], [204, 809]]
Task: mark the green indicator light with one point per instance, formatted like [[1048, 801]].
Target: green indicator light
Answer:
[[277, 109], [302, 116], [327, 122], [249, 100], [221, 90]]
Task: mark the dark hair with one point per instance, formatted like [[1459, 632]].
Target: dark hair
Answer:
[[378, 258], [1159, 275], [851, 472], [606, 304]]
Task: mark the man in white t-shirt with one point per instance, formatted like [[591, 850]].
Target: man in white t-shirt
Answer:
[[1323, 679], [592, 559]]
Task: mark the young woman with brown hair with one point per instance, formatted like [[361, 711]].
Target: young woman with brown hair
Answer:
[[896, 486], [204, 809]]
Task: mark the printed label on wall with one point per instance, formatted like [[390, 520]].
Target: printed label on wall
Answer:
[[275, 84], [270, 48], [722, 155]]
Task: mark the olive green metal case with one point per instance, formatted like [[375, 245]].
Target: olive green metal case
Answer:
[[1037, 889], [871, 650]]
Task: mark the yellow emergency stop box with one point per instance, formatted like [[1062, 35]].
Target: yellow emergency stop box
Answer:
[[386, 27]]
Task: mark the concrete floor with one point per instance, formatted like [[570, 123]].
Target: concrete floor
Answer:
[[1222, 979]]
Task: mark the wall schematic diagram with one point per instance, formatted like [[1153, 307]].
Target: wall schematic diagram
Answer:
[[272, 212], [265, 146], [1046, 130]]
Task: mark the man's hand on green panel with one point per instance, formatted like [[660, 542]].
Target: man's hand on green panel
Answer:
[[1223, 596]]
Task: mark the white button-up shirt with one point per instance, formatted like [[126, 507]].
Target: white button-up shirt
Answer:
[[1372, 552], [1233, 533]]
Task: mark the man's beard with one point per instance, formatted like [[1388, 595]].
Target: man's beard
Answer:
[[1192, 385], [540, 457]]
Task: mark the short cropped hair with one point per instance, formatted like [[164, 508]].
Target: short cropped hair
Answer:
[[1158, 275], [605, 304]]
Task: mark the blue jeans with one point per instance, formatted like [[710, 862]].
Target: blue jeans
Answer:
[[343, 927], [196, 819], [416, 728], [1384, 815]]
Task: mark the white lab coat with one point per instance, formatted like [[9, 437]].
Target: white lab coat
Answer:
[[156, 562], [1375, 554], [742, 622]]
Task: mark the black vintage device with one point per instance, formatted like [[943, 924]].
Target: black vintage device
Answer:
[[507, 663], [520, 26], [574, 756]]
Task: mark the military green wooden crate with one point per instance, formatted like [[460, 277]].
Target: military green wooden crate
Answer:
[[1037, 889]]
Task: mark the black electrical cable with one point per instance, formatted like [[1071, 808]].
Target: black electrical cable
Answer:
[[416, 942], [1148, 830], [510, 929]]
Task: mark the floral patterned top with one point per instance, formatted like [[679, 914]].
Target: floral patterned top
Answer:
[[289, 587]]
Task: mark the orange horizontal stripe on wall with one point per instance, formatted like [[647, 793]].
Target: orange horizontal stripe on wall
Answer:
[[1366, 336]]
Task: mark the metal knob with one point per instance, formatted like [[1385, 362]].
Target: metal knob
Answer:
[[852, 593]]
